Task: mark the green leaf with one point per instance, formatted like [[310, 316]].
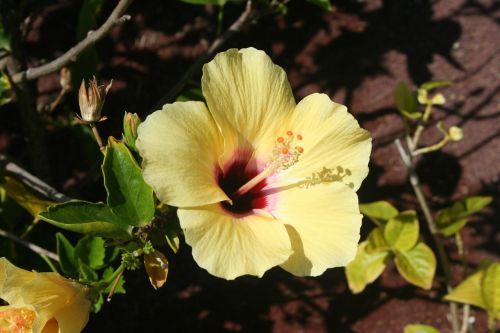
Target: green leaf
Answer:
[[365, 268], [418, 328], [324, 4], [66, 253], [401, 232], [491, 290], [452, 227], [380, 211], [450, 220], [406, 101], [5, 90], [469, 291], [94, 219], [376, 241], [87, 274], [435, 84], [417, 265], [90, 250], [108, 272], [129, 197]]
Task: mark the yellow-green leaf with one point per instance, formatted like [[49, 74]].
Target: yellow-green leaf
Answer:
[[491, 289], [365, 268], [380, 211], [406, 101], [435, 84], [376, 241], [20, 194], [451, 219], [401, 231], [417, 265], [419, 328], [469, 291]]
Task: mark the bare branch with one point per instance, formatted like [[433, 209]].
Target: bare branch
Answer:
[[31, 181], [33, 247], [248, 16], [70, 56]]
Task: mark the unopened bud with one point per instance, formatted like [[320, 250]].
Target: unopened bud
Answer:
[[130, 123], [92, 100], [455, 133], [438, 99], [422, 96], [156, 265]]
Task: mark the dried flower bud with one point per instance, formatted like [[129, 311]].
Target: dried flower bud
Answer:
[[156, 265], [455, 133], [130, 123], [92, 100]]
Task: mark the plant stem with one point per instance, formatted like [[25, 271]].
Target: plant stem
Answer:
[[438, 241], [97, 137], [35, 248]]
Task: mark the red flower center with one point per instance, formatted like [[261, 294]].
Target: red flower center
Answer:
[[235, 174]]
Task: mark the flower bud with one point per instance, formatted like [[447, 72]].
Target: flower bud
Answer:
[[455, 133], [156, 265], [92, 100], [422, 96], [438, 99], [130, 123]]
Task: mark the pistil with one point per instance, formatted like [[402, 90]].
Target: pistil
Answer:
[[285, 154]]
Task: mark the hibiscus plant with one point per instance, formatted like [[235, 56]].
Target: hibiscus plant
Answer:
[[249, 179]]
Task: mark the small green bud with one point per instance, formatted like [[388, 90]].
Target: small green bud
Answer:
[[130, 123], [131, 261], [92, 100], [148, 248], [455, 133]]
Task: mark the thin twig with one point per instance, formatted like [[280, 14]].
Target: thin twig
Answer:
[[241, 22], [438, 241], [35, 248], [97, 137], [71, 55], [465, 318], [31, 181]]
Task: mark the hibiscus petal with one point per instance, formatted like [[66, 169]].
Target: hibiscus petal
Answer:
[[249, 97], [53, 296], [332, 138], [229, 247], [180, 146], [323, 222]]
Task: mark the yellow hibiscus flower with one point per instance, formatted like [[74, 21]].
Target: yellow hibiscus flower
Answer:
[[259, 181], [40, 302]]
